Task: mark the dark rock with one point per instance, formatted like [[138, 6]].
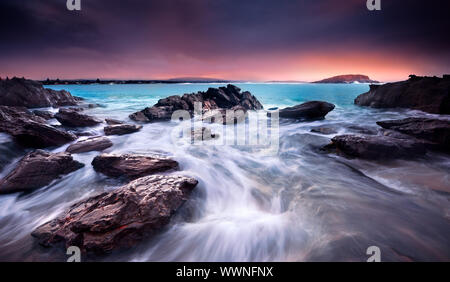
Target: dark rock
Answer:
[[121, 129], [214, 98], [434, 130], [110, 121], [30, 130], [237, 114], [428, 94], [19, 92], [44, 114], [308, 110], [73, 118], [38, 169], [377, 147], [119, 219], [98, 143], [132, 166]]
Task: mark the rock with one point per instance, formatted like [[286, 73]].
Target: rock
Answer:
[[121, 129], [73, 118], [203, 133], [428, 94], [324, 130], [118, 219], [30, 130], [132, 166], [430, 129], [44, 114], [214, 98], [110, 121], [235, 115], [38, 169], [308, 110], [19, 92], [377, 147], [98, 143], [348, 78]]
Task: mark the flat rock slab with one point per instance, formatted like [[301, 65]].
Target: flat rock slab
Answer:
[[132, 166], [122, 129], [38, 169], [434, 130], [98, 143], [118, 219], [309, 110], [31, 130], [73, 118], [377, 147]]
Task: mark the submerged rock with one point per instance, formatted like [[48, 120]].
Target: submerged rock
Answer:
[[20, 92], [73, 118], [214, 98], [30, 130], [377, 147], [434, 130], [118, 219], [428, 94], [110, 121], [324, 130], [132, 166], [121, 129], [308, 110], [98, 143], [38, 169]]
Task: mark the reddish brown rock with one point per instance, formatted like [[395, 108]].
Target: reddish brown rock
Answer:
[[97, 143], [122, 129], [38, 169], [118, 219], [73, 118], [132, 166]]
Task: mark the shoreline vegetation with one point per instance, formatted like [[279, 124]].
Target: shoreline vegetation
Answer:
[[148, 199]]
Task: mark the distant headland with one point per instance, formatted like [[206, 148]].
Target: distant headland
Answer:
[[348, 78]]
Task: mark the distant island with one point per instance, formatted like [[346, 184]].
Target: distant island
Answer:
[[348, 78]]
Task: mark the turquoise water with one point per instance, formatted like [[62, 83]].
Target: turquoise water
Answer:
[[299, 204]]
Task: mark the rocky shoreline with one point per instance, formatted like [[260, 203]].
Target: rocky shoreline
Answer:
[[147, 199]]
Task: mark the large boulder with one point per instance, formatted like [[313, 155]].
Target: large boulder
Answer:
[[377, 146], [132, 166], [97, 143], [38, 169], [308, 110], [72, 117], [428, 94], [214, 98], [431, 129], [20, 92], [118, 219], [31, 130], [121, 129]]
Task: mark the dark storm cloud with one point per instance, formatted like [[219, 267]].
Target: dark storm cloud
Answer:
[[208, 29]]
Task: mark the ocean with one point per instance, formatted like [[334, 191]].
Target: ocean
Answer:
[[300, 204]]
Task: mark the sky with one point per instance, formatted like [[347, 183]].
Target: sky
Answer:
[[254, 40]]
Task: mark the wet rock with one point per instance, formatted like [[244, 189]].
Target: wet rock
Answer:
[[73, 118], [44, 114], [132, 166], [235, 115], [119, 219], [428, 94], [30, 130], [324, 130], [19, 92], [214, 98], [377, 147], [98, 143], [110, 121], [38, 169], [308, 110], [122, 129], [434, 130]]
